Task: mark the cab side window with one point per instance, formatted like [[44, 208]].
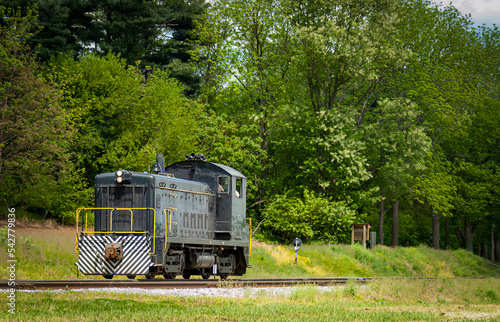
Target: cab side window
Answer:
[[238, 187], [223, 185]]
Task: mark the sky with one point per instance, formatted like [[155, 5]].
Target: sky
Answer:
[[482, 11]]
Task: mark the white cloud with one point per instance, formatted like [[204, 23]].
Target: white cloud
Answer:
[[482, 11]]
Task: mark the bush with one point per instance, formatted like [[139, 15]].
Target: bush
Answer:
[[312, 217]]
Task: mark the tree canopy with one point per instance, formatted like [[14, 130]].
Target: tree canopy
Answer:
[[338, 112]]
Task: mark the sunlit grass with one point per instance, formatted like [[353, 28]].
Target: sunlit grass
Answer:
[[356, 261], [43, 253], [388, 300]]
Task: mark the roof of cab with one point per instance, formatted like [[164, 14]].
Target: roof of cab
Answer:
[[231, 171], [207, 165]]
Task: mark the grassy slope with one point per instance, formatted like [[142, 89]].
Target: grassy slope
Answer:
[[50, 253], [355, 261]]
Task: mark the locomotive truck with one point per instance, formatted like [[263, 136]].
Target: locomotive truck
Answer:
[[187, 219]]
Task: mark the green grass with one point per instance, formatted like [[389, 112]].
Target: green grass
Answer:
[[355, 261], [50, 254], [392, 300], [43, 253]]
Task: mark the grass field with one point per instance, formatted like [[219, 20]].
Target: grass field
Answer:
[[48, 252], [396, 300]]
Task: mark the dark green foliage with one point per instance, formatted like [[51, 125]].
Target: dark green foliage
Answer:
[[149, 33], [61, 25], [35, 169]]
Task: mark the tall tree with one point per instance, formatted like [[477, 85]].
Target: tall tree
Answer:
[[158, 34], [436, 188], [396, 147], [61, 25], [440, 78], [34, 132], [155, 33], [318, 151], [475, 197], [345, 49], [248, 45], [123, 120]]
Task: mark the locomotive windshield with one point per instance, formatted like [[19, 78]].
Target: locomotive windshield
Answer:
[[121, 197]]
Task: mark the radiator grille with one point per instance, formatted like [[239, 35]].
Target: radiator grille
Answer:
[[122, 197]]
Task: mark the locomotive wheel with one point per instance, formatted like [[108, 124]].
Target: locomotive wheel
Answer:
[[108, 277], [205, 273], [186, 276], [223, 277], [169, 276], [131, 277], [149, 276]]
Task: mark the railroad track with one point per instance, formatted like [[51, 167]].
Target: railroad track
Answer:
[[176, 283], [194, 283]]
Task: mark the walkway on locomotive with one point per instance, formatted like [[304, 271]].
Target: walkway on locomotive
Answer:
[[123, 238]]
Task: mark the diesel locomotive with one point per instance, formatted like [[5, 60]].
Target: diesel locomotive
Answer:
[[187, 219]]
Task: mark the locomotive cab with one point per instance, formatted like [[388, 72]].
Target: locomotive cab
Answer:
[[229, 186]]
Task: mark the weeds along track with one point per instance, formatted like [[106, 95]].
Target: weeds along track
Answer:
[[199, 283]]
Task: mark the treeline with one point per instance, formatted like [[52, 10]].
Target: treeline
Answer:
[[338, 112]]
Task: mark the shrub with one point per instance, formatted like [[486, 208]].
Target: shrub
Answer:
[[312, 217]]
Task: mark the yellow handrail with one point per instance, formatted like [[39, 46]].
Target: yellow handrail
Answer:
[[111, 224], [188, 191], [170, 211], [111, 218], [250, 236], [170, 175]]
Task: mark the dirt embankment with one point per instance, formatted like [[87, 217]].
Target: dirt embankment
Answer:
[[26, 227]]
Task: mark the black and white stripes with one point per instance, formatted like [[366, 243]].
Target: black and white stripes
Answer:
[[136, 260]]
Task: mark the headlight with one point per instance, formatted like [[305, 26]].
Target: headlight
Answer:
[[123, 176]]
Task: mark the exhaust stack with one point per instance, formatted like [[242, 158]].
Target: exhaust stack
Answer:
[[160, 161]]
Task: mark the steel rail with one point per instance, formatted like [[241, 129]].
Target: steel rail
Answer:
[[161, 283], [198, 283]]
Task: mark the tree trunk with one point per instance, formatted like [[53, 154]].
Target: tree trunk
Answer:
[[395, 223], [435, 229], [479, 248], [470, 228], [493, 242], [485, 248], [497, 247], [447, 233], [381, 214], [460, 237]]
